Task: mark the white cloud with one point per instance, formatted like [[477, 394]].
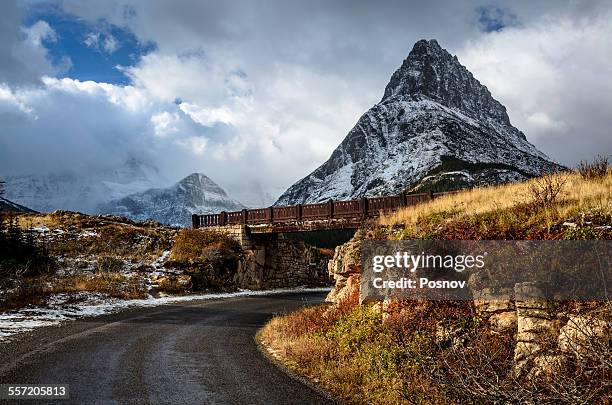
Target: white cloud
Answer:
[[23, 58], [101, 42], [165, 123], [39, 32], [207, 116], [129, 97], [92, 39], [9, 101], [194, 144], [544, 122], [110, 44], [553, 76]]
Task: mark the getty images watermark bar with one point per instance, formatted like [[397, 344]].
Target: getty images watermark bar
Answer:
[[467, 270]]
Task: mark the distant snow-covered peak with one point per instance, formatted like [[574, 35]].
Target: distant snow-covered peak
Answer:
[[174, 205]]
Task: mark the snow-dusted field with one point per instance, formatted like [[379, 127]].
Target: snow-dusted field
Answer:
[[68, 307]]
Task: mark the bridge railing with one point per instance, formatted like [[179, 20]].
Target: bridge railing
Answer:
[[352, 209]]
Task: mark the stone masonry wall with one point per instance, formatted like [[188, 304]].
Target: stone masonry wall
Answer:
[[238, 232], [273, 261], [544, 340], [277, 262]]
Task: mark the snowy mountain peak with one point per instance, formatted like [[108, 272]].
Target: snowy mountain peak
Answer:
[[432, 72], [436, 128], [199, 180], [174, 205]]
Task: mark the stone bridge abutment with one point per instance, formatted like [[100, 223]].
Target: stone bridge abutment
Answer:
[[273, 260]]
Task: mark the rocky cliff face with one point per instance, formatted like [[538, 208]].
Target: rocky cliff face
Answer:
[[436, 127], [345, 268], [174, 205]]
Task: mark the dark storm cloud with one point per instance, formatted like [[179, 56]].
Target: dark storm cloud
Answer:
[[308, 70]]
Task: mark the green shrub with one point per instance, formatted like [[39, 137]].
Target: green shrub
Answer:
[[357, 327], [581, 233]]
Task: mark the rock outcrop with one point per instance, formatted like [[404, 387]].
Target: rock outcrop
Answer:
[[546, 339], [345, 268]]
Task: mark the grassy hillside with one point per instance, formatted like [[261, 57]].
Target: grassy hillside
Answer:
[[529, 210], [42, 255], [444, 352]]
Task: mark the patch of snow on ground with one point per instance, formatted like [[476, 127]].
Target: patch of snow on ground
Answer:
[[89, 234], [61, 307], [161, 259]]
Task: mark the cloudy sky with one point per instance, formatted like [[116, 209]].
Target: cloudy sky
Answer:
[[258, 94]]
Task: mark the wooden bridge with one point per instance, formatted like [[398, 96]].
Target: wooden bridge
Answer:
[[306, 217]]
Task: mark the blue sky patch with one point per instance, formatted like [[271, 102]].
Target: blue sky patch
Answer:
[[493, 18], [95, 50]]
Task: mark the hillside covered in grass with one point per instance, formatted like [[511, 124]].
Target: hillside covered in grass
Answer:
[[445, 352], [561, 206], [79, 256]]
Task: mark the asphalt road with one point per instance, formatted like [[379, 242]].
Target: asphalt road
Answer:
[[199, 352]]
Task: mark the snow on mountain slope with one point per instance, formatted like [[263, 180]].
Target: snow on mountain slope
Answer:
[[79, 190], [195, 194], [434, 121]]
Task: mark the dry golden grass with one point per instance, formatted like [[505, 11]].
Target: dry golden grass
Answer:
[[34, 291], [578, 197], [115, 285], [349, 351], [115, 236], [66, 219], [201, 245]]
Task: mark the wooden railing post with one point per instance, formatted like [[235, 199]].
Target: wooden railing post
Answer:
[[363, 207], [298, 209], [195, 223], [431, 194], [244, 216], [330, 208], [271, 214], [222, 218], [403, 199]]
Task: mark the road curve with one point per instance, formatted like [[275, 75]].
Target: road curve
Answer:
[[199, 352]]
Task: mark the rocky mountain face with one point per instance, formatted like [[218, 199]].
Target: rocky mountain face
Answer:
[[174, 205], [436, 128]]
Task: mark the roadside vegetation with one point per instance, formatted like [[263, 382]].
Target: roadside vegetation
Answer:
[[70, 253], [427, 352], [443, 352], [71, 234], [209, 257], [63, 252]]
